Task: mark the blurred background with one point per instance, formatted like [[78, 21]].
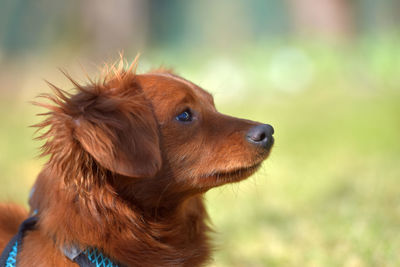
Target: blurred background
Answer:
[[324, 73]]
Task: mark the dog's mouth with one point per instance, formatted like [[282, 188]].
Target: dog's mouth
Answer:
[[234, 175]]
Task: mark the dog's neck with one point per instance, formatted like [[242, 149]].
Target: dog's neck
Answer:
[[132, 235], [157, 197]]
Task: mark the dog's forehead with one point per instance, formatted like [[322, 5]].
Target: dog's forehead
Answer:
[[168, 85]]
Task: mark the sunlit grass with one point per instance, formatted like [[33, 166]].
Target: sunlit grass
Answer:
[[328, 194]]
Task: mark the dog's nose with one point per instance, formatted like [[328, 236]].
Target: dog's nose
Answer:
[[261, 135]]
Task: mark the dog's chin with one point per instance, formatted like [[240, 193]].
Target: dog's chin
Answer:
[[218, 178]]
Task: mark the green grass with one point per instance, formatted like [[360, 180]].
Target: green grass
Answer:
[[18, 159], [327, 196]]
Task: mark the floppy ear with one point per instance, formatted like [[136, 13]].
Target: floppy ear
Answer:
[[119, 131]]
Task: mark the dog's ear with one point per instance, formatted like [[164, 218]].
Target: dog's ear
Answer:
[[118, 128], [107, 125]]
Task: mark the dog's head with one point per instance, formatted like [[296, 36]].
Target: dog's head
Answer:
[[152, 134], [202, 148]]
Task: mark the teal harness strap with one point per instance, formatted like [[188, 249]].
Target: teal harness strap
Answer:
[[9, 256], [12, 256], [90, 257]]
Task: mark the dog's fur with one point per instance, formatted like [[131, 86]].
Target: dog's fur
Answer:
[[125, 176]]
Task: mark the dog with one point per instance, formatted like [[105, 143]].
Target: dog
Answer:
[[130, 157]]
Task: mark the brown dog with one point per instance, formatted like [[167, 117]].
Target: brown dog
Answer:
[[129, 160]]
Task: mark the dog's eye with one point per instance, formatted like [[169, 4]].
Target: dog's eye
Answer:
[[185, 116]]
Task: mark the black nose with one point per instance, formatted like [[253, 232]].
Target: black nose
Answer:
[[261, 135]]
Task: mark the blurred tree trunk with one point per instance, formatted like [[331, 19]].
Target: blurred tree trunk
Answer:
[[332, 20]]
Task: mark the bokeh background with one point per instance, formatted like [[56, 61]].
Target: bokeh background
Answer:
[[324, 73]]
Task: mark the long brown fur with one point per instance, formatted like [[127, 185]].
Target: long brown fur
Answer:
[[125, 176]]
